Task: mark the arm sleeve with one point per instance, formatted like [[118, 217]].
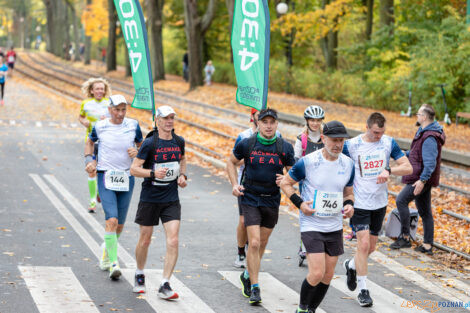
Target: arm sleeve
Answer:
[[298, 149], [429, 155], [351, 178], [239, 138], [297, 172], [138, 134], [239, 149], [396, 152], [93, 135]]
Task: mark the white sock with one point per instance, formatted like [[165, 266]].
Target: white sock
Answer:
[[361, 282], [139, 272], [351, 264], [164, 280]]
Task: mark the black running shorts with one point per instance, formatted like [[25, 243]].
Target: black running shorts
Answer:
[[262, 216], [148, 213], [318, 242], [371, 220]]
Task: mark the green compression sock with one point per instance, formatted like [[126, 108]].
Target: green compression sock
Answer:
[[93, 188], [111, 246]]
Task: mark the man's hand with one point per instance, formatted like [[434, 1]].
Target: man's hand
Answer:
[[161, 172], [348, 210], [237, 190], [418, 187], [91, 167], [306, 208], [279, 177], [182, 181], [132, 152], [383, 177]]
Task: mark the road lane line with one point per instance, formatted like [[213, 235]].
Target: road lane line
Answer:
[[384, 301], [414, 277], [276, 296], [126, 258], [56, 290], [188, 301], [79, 229], [417, 279], [38, 124]]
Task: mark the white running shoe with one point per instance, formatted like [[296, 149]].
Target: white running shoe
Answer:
[[165, 292], [104, 261], [114, 271], [240, 261]]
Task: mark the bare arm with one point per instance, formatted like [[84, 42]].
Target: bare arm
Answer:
[[84, 121], [137, 170], [232, 163], [89, 146], [348, 194], [403, 167], [287, 186], [90, 167]]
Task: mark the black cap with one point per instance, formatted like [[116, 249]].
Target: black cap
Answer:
[[335, 129], [267, 112]]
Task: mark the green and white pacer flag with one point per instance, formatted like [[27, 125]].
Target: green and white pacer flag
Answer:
[[135, 34], [250, 45]]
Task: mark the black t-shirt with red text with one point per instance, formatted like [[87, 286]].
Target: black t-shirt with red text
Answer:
[[262, 166], [167, 151]]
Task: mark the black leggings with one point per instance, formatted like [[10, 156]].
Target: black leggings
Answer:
[[2, 87]]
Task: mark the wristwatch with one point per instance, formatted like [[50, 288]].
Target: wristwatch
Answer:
[[387, 168], [152, 174], [185, 177], [423, 181]]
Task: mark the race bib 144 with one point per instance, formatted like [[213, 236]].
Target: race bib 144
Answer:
[[116, 180]]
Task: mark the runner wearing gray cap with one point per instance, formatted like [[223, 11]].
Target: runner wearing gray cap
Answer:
[[327, 197]]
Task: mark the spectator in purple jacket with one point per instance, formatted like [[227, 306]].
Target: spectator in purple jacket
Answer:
[[425, 158]]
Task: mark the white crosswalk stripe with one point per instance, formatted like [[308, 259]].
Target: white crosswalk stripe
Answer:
[[384, 300], [276, 296], [191, 302], [56, 290], [187, 302]]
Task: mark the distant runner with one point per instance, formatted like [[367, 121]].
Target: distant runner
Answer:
[[93, 109], [3, 75]]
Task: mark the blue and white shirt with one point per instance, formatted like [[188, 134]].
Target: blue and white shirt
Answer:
[[114, 140], [322, 175], [370, 159]]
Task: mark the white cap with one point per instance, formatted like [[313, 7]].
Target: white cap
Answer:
[[164, 111], [116, 100]]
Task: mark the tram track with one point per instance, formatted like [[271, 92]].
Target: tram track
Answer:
[[173, 101]]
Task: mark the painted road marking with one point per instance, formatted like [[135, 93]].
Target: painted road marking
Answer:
[[56, 290], [276, 296]]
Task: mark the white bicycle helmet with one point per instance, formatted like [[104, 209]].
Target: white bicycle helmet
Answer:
[[314, 111]]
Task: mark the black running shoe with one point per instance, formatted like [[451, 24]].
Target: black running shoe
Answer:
[[422, 249], [139, 284], [255, 296], [364, 298], [401, 242], [351, 280], [246, 285]]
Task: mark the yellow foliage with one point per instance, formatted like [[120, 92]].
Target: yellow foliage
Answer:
[[95, 20], [314, 24]]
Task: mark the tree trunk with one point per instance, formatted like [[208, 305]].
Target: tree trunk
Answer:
[[56, 12], [195, 27], [369, 18], [230, 7], [329, 45], [88, 43], [387, 17], [111, 51], [155, 8]]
